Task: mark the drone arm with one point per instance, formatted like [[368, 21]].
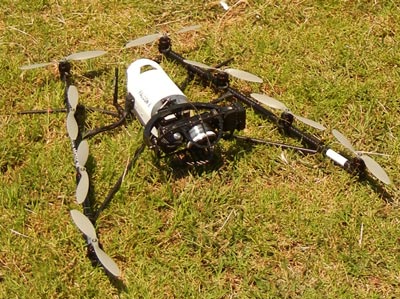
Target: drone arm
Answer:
[[118, 184], [58, 110], [253, 104], [205, 75], [354, 165], [285, 124], [348, 165], [43, 111], [277, 144], [305, 137]]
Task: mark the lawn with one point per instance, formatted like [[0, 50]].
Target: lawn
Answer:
[[262, 222]]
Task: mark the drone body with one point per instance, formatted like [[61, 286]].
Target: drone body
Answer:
[[151, 89], [174, 125], [171, 122]]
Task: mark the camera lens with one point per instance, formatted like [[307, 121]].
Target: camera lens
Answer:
[[202, 134]]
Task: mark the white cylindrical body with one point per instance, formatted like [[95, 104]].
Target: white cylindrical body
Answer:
[[151, 88]]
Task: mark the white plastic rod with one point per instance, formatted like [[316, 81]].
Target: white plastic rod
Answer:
[[338, 158]]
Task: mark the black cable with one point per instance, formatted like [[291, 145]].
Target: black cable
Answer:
[[112, 126]]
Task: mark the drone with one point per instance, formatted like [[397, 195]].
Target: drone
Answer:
[[175, 126]]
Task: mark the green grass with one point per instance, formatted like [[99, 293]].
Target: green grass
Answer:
[[255, 227]]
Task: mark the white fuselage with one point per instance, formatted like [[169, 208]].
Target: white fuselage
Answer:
[[151, 88]]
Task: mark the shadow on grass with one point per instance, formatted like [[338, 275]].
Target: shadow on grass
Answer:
[[118, 284], [95, 73], [179, 167], [377, 187]]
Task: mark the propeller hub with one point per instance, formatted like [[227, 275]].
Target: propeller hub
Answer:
[[64, 68], [164, 44], [286, 119], [221, 80], [357, 165]]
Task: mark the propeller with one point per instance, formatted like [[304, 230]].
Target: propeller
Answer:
[[370, 163], [82, 154], [239, 74], [73, 96], [76, 56], [274, 103], [72, 125], [82, 188], [153, 37], [87, 228]]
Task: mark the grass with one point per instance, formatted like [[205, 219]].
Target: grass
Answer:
[[255, 227]]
